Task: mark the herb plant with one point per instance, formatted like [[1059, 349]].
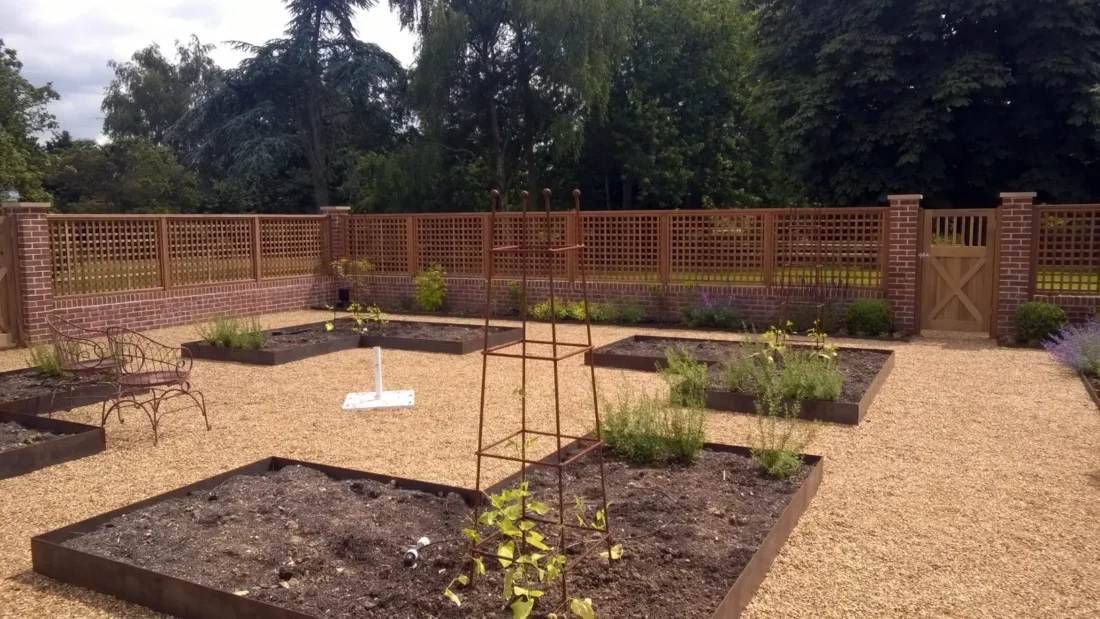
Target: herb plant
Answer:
[[647, 430], [686, 378], [44, 359], [779, 438], [230, 332], [1077, 346], [431, 288]]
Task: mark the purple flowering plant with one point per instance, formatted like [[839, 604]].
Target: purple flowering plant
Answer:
[[1077, 346]]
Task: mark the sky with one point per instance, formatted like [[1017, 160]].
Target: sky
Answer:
[[68, 42]]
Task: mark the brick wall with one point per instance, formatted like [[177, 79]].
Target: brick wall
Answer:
[[1014, 269], [901, 269], [337, 231], [32, 245]]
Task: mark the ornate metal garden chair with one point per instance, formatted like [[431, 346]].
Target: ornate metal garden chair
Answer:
[[149, 375], [84, 355]]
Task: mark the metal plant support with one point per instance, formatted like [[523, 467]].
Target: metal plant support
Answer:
[[559, 352]]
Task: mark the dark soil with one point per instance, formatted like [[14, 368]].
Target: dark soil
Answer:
[[295, 337], [859, 367], [25, 384], [15, 436], [334, 549]]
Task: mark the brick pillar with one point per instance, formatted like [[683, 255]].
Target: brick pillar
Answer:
[[901, 269], [35, 276], [1014, 269], [338, 222]]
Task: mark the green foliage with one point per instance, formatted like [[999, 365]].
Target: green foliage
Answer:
[[367, 315], [960, 99], [124, 176], [1037, 321], [44, 358], [542, 311], [647, 430], [430, 288], [516, 297], [779, 438], [709, 312], [793, 374], [631, 313], [870, 317], [686, 378], [23, 115], [230, 332]]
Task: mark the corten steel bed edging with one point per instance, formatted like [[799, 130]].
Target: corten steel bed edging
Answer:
[[47, 404], [209, 352], [168, 594], [190, 600], [1088, 387], [78, 440]]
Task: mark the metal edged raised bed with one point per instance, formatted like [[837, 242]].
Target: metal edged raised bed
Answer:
[[190, 600], [63, 399], [75, 441]]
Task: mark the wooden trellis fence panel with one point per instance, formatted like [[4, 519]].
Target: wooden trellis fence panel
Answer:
[[384, 241], [96, 255], [1066, 251], [291, 247], [204, 251]]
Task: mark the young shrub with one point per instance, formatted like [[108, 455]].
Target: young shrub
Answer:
[[43, 357], [1037, 321], [574, 310], [631, 313], [603, 312], [515, 297], [431, 288], [1077, 346], [686, 378], [779, 439], [221, 331], [648, 430], [541, 311], [707, 311], [810, 376], [871, 317]]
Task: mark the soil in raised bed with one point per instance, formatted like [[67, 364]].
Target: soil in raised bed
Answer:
[[15, 386], [335, 548], [15, 436], [296, 337], [859, 367]]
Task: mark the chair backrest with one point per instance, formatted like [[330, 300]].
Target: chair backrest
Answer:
[[76, 345], [139, 354]]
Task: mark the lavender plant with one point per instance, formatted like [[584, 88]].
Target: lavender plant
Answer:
[[1077, 346]]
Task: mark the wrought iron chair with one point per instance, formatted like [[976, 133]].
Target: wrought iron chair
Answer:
[[84, 355], [150, 373]]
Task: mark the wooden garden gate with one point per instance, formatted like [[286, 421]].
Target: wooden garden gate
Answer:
[[958, 272], [9, 304]]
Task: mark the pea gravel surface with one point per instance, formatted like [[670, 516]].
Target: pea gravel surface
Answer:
[[971, 490]]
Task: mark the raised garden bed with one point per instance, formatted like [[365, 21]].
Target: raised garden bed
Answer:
[[30, 392], [1092, 385], [286, 539], [29, 443], [865, 372], [304, 341]]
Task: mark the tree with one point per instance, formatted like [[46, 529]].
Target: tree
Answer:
[[314, 93], [126, 176], [678, 132], [150, 94], [23, 114], [956, 100], [513, 82]]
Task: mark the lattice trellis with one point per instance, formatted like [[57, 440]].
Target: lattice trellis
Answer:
[[835, 247], [383, 241], [622, 247], [103, 255], [1068, 250], [717, 248], [508, 230], [292, 246], [456, 242], [205, 251]]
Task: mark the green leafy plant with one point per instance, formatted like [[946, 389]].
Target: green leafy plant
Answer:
[[353, 273], [779, 439], [574, 310], [739, 372], [231, 332], [430, 288], [366, 315], [527, 560], [631, 313], [660, 299], [603, 312], [515, 297], [686, 378], [541, 311], [776, 338], [869, 317], [1037, 321], [717, 313], [44, 359], [647, 430], [808, 375]]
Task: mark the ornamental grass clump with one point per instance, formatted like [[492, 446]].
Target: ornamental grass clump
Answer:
[[230, 332], [44, 359], [1077, 346]]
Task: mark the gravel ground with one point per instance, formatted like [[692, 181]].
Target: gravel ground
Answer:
[[971, 490]]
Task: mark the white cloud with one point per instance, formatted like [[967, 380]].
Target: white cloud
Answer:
[[68, 42]]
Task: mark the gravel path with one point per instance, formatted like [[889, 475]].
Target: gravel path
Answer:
[[972, 490]]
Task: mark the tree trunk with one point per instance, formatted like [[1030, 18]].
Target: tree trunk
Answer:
[[628, 192], [318, 165]]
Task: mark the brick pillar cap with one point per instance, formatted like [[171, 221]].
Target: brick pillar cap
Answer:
[[906, 196], [45, 206], [335, 209], [1019, 194]]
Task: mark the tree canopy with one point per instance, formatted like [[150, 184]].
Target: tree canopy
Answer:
[[653, 104]]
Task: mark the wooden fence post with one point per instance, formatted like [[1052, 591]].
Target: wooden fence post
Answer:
[[768, 248], [163, 254], [572, 225], [412, 252], [664, 247], [257, 267], [486, 245]]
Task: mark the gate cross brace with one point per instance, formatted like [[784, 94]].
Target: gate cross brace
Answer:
[[956, 288]]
